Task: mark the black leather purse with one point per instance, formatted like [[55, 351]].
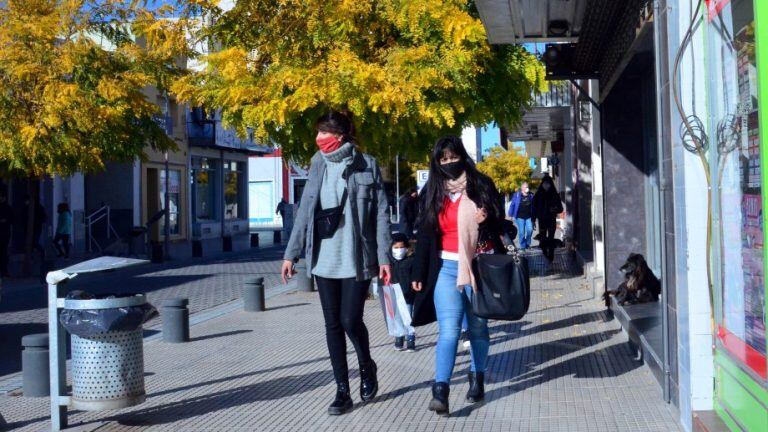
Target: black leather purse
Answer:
[[327, 220], [503, 285]]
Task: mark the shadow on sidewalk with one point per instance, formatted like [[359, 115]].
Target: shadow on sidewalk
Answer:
[[218, 335], [610, 362], [239, 376], [544, 353], [277, 388]]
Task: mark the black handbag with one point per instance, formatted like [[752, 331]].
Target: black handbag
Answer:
[[327, 220], [503, 286]]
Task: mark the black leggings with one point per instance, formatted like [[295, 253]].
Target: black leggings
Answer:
[[343, 301], [547, 230]]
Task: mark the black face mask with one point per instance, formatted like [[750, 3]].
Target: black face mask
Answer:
[[454, 169]]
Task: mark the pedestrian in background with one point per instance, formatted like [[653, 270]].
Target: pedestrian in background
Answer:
[[409, 209], [63, 230], [521, 210], [402, 268], [460, 214], [546, 207], [280, 210], [40, 218], [6, 225], [342, 227]]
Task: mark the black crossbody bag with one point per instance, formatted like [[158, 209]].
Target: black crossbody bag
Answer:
[[327, 220], [503, 285]]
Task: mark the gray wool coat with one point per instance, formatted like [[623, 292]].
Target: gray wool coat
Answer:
[[368, 201]]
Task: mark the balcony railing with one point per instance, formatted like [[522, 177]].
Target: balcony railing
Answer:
[[558, 95]]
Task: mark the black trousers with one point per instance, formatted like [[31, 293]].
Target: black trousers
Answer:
[[547, 230], [61, 242], [343, 301], [4, 243]]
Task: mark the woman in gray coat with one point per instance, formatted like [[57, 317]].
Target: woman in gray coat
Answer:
[[342, 228]]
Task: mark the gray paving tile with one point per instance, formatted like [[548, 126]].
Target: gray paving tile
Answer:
[[558, 369]]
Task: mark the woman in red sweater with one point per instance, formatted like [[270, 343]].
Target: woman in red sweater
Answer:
[[461, 215]]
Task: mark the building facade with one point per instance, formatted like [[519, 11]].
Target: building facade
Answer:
[[669, 137]]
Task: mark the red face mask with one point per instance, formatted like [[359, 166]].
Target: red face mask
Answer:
[[328, 144]]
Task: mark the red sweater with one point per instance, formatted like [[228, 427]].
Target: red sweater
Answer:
[[448, 220]]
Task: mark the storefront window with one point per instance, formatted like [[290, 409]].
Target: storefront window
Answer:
[[174, 200], [735, 152], [204, 189], [234, 190]]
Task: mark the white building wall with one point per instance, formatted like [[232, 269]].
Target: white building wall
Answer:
[[695, 361]]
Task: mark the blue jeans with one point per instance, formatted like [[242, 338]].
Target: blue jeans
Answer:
[[525, 231], [451, 303]]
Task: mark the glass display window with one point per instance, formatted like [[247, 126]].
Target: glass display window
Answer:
[[735, 155]]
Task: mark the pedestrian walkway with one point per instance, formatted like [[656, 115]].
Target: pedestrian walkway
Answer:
[[206, 282], [564, 367]]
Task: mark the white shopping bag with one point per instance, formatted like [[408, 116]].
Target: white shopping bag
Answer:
[[395, 309]]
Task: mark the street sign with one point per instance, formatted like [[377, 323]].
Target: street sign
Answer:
[[421, 178]]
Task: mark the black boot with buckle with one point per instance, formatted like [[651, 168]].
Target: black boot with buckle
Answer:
[[343, 402], [369, 384], [439, 402], [476, 391]]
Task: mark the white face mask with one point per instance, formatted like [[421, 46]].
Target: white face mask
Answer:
[[399, 253]]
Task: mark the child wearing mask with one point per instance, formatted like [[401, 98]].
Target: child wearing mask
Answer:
[[402, 263]]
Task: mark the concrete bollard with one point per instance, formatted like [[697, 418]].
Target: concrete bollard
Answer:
[[197, 249], [254, 240], [303, 283], [34, 365], [253, 296], [277, 237], [175, 316]]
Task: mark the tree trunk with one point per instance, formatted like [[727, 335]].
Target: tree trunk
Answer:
[[29, 242]]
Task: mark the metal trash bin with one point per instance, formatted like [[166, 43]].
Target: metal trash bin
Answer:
[[107, 368]]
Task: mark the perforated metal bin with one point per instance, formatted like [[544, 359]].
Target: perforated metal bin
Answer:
[[108, 368]]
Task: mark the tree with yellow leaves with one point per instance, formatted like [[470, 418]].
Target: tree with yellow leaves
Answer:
[[407, 70], [72, 75], [507, 168], [71, 79]]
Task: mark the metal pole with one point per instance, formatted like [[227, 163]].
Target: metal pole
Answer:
[[57, 362], [167, 196], [397, 186], [658, 38]]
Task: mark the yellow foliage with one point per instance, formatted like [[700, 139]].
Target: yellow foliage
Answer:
[[71, 84], [508, 169], [408, 71]]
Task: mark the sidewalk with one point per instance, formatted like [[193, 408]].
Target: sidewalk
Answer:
[[206, 282], [562, 368]]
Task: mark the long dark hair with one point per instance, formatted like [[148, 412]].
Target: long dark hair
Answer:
[[338, 123], [551, 193], [480, 188]]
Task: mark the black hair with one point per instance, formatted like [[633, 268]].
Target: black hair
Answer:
[[337, 123], [551, 193], [480, 188], [399, 238]]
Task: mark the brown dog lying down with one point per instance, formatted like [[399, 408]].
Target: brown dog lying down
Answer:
[[640, 284]]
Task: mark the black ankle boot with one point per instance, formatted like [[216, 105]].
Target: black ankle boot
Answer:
[[476, 391], [369, 384], [439, 402], [343, 402]]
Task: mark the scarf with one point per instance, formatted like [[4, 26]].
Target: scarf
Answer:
[[468, 231]]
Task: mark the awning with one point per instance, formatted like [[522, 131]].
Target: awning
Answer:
[[526, 21]]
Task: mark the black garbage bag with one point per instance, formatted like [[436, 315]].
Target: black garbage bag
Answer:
[[90, 322]]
